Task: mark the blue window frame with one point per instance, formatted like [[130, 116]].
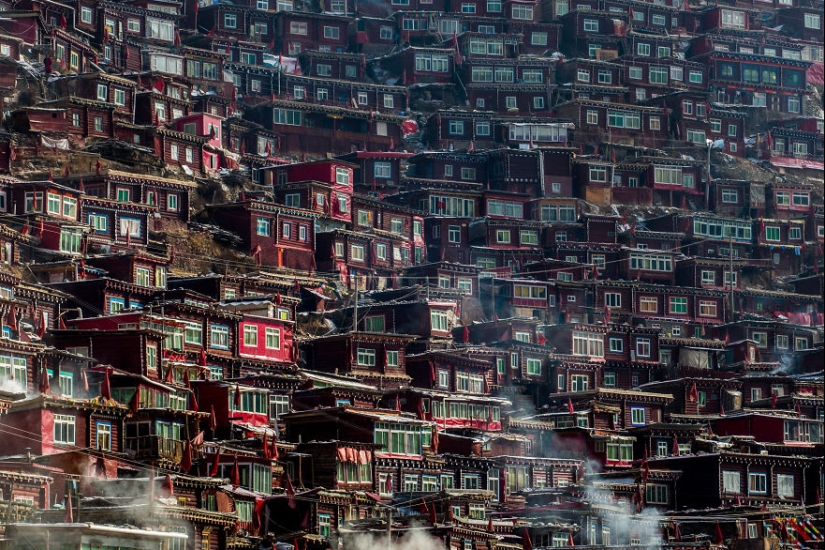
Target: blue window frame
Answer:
[[219, 336]]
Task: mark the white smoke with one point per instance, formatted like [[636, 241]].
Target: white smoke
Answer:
[[414, 539], [12, 386]]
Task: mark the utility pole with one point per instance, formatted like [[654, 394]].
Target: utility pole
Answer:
[[707, 182], [355, 308], [389, 528], [730, 277]]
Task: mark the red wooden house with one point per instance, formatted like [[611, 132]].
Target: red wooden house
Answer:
[[274, 235], [370, 355], [319, 129], [300, 31], [708, 235], [781, 242], [509, 85], [57, 424], [236, 405], [600, 122], [266, 339], [420, 65], [739, 477], [606, 449], [71, 55], [100, 87], [170, 197], [376, 171], [759, 80], [133, 267], [584, 31], [114, 225], [456, 130]]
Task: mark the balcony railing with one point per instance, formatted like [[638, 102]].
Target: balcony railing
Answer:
[[155, 446]]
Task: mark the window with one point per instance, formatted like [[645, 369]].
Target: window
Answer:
[[583, 75], [297, 27], [172, 202], [801, 199], [651, 262], [142, 276], [707, 308], [438, 320], [357, 252], [676, 73], [98, 123], [730, 196], [648, 304], [635, 73], [643, 347], [658, 75], [104, 436], [332, 33], [730, 482], [643, 50], [538, 38], [219, 336], [656, 493], [733, 19], [250, 335], [102, 92], [468, 173], [454, 234], [230, 21], [592, 117], [579, 382], [598, 173], [813, 21], [522, 12], [591, 25], [772, 233], [588, 344], [757, 483], [759, 99], [678, 306], [286, 116], [613, 299], [616, 346], [617, 119], [70, 240], [86, 15], [533, 367], [784, 485], [503, 236], [800, 343], [64, 429], [366, 357]]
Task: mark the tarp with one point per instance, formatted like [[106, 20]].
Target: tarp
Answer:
[[790, 162], [288, 65], [816, 74], [693, 358], [62, 144]]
